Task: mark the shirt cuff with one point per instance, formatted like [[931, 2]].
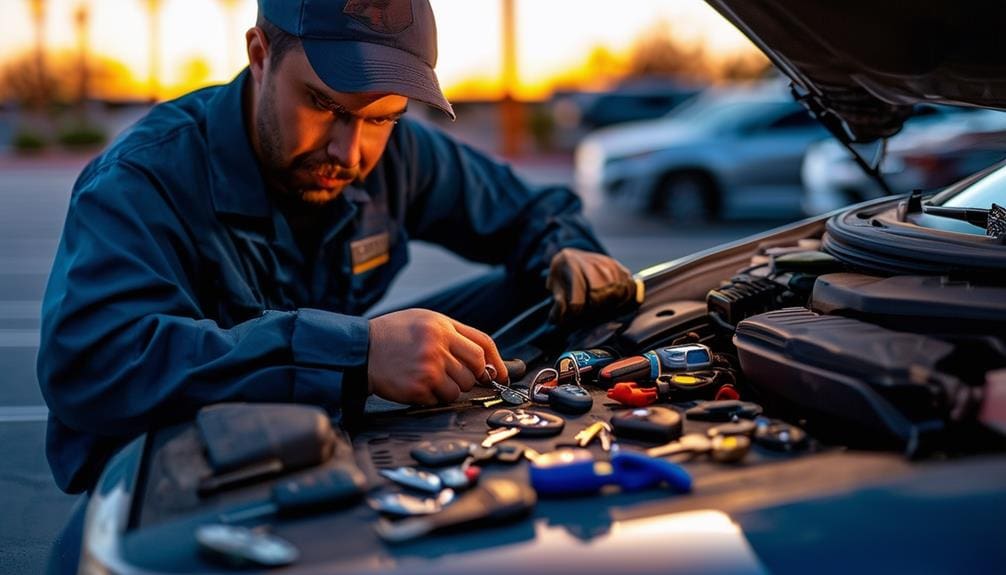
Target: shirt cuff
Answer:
[[331, 340]]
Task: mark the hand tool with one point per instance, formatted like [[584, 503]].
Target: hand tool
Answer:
[[656, 362], [581, 366]]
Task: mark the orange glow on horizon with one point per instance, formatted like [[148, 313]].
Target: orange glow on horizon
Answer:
[[202, 42]]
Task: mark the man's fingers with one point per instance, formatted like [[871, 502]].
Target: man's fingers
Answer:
[[447, 390], [469, 355], [490, 354], [461, 374]]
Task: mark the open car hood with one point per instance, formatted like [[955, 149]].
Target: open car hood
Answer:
[[860, 65]]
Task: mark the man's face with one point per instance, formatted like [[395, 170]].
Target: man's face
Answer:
[[313, 141]]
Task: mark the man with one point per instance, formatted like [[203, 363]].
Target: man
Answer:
[[225, 247]]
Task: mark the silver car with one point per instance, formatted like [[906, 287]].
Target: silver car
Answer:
[[732, 152]]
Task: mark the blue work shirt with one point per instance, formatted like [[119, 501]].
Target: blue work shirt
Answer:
[[179, 283]]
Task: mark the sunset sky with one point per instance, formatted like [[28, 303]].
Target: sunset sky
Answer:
[[553, 36]]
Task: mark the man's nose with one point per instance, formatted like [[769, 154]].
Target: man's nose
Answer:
[[344, 142]]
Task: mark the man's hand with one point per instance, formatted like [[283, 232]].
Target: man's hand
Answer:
[[586, 282], [422, 357]]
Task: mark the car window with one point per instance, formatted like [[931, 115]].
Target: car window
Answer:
[[981, 194]]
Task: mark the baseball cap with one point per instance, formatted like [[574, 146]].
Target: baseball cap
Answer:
[[366, 45]]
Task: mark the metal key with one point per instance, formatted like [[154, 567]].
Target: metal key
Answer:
[[692, 443], [498, 435], [604, 436], [586, 435]]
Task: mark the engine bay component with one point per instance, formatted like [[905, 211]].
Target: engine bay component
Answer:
[[742, 297], [868, 385], [930, 304]]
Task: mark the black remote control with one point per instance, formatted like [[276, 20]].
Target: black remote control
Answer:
[[441, 453], [654, 424], [570, 398]]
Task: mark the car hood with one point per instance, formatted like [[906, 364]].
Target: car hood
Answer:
[[860, 65]]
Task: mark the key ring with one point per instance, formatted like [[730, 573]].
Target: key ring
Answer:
[[547, 377], [566, 363]]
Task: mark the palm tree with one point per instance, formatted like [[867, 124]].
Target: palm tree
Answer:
[[154, 11]]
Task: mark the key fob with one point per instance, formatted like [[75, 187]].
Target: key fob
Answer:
[[414, 479], [509, 453], [532, 423], [240, 546], [570, 398], [724, 410], [653, 424], [740, 427], [441, 453], [779, 435]]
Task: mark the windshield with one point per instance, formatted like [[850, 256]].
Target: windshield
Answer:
[[981, 194], [724, 115]]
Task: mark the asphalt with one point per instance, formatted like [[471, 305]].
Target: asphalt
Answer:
[[33, 203]]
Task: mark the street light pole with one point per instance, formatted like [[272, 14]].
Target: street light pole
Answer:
[[510, 109], [81, 16], [38, 19]]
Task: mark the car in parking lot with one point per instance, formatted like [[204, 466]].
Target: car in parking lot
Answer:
[[729, 152], [880, 330], [938, 146]]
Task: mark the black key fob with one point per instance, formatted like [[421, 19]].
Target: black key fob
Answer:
[[441, 453], [740, 427], [653, 424], [570, 398], [724, 410], [532, 423], [780, 436]]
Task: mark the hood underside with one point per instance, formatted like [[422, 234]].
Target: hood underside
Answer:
[[861, 65]]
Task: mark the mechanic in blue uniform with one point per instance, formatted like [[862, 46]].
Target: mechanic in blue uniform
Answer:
[[225, 247]]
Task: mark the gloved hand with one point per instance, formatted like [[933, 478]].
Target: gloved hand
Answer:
[[586, 282]]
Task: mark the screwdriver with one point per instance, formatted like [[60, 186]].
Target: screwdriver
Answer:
[[494, 501], [306, 493]]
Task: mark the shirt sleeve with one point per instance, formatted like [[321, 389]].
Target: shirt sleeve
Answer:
[[480, 209], [125, 345]]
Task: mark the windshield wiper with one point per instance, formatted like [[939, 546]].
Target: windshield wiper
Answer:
[[993, 220]]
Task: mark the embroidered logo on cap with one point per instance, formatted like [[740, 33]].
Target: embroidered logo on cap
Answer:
[[384, 16]]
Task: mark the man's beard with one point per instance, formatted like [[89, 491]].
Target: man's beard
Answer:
[[299, 177]]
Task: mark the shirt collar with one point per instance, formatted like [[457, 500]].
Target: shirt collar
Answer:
[[237, 186]]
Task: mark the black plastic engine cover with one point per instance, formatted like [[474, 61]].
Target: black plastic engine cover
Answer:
[[869, 386]]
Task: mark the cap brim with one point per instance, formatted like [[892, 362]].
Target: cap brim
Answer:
[[366, 67]]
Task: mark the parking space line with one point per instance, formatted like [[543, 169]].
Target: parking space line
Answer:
[[23, 413]]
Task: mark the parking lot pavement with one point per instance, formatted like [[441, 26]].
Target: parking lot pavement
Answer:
[[33, 200]]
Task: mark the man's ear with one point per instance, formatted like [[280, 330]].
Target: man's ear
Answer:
[[258, 52]]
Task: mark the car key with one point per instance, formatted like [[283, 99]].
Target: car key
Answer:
[[723, 410], [240, 546], [740, 427], [570, 398], [495, 501], [655, 424], [499, 434], [414, 479], [649, 366], [459, 477], [779, 435], [531, 423], [691, 443], [582, 366], [405, 505], [441, 453], [306, 493]]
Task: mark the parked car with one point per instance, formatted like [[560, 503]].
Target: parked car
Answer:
[[880, 330], [729, 152], [938, 146]]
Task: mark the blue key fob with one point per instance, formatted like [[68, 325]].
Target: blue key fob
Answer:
[[570, 398]]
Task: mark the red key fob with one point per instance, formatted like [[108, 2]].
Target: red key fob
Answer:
[[629, 393], [635, 368]]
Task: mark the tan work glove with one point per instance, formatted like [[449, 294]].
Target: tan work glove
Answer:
[[585, 283]]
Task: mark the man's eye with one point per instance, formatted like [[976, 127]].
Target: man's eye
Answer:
[[382, 121], [319, 105]]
